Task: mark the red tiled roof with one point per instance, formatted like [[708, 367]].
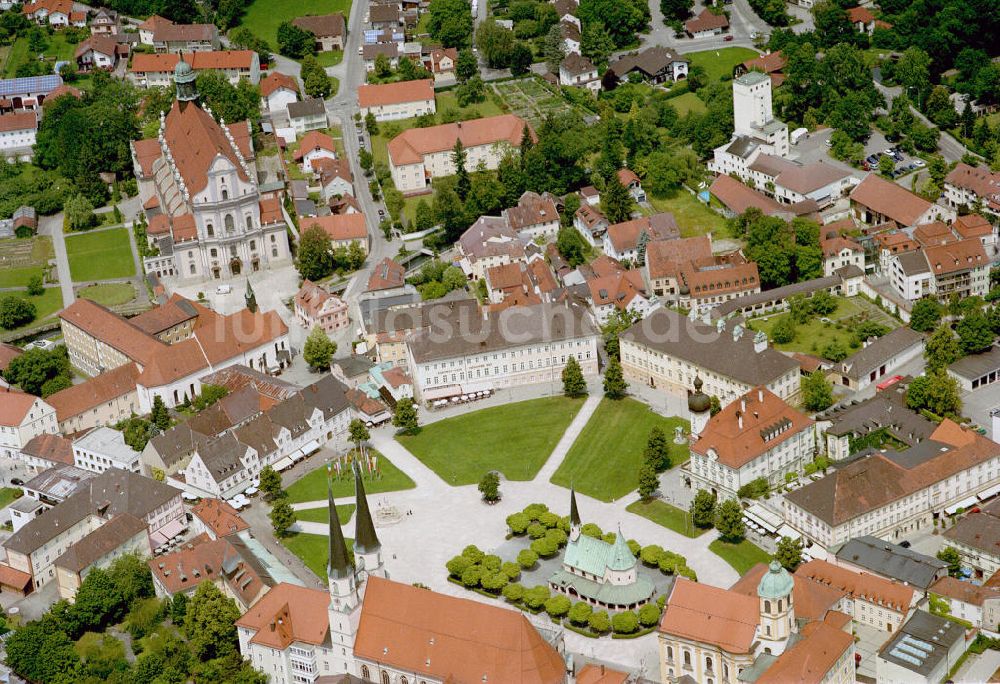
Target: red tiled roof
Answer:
[[18, 121], [410, 146], [8, 353], [314, 140], [112, 329], [706, 21], [340, 227], [859, 585], [55, 448], [219, 516], [386, 275], [710, 615], [94, 392], [890, 200], [277, 80], [956, 256], [289, 613], [396, 93], [196, 141], [860, 15], [14, 406]]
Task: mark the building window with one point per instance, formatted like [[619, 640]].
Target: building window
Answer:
[[225, 194], [210, 229], [230, 224], [767, 606], [365, 674], [385, 677]]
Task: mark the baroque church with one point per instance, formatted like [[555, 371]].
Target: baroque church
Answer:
[[206, 215]]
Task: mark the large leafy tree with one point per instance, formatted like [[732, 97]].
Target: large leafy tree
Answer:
[[32, 369], [315, 255], [974, 333], [926, 315], [16, 311], [703, 509], [789, 553], [318, 349], [405, 416], [615, 386], [450, 22], [228, 102], [572, 376], [942, 349], [937, 391], [817, 393], [729, 521], [209, 622], [295, 42]]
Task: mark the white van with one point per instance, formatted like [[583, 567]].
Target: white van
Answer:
[[223, 289]]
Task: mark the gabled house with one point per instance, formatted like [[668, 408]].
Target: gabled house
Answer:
[[277, 91]]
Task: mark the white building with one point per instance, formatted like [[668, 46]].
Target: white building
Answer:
[[277, 91], [402, 100], [891, 494], [757, 436], [418, 155], [576, 70], [23, 417], [923, 651], [157, 70], [17, 134], [518, 346], [753, 114], [960, 268], [104, 448]]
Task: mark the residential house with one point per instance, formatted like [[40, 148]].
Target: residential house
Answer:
[[959, 267], [37, 549], [706, 23], [591, 224], [17, 134], [418, 155], [770, 63], [100, 52], [312, 147], [577, 70], [343, 229], [654, 64], [166, 36], [122, 535], [440, 62], [335, 178], [149, 70], [791, 182], [22, 418], [216, 519], [570, 32], [622, 291], [47, 450], [730, 360], [971, 186], [879, 357], [105, 22], [27, 93], [633, 184], [102, 449], [401, 100], [277, 91], [979, 227], [388, 276], [627, 241], [55, 13], [890, 494], [839, 252], [518, 346], [385, 16], [973, 603], [329, 30], [308, 115], [534, 216], [685, 271], [976, 536], [488, 242], [314, 307], [371, 51], [863, 21]]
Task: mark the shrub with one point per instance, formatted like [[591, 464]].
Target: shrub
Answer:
[[518, 523], [580, 613], [535, 510], [592, 530], [536, 530], [536, 597], [548, 519], [544, 547], [649, 615], [599, 622], [625, 623], [650, 555], [471, 576], [491, 563], [661, 601], [513, 592], [634, 546], [556, 536], [512, 570], [685, 571], [557, 606], [494, 582], [527, 558], [458, 565], [473, 553]]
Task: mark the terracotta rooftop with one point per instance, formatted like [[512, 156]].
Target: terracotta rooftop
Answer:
[[410, 146], [531, 210], [386, 275], [859, 585], [812, 657], [966, 592], [286, 614], [664, 258], [451, 639], [18, 121], [769, 63], [204, 559], [956, 256], [112, 329], [312, 298], [860, 15], [340, 227], [314, 140], [890, 200], [219, 516], [8, 353], [94, 391], [383, 94], [972, 225], [710, 615], [706, 21], [812, 600], [208, 59], [196, 141], [55, 448], [980, 180], [173, 312], [625, 236], [277, 80]]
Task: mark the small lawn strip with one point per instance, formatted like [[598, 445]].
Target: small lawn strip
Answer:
[[692, 215], [8, 495], [515, 439], [322, 515], [668, 516], [109, 294], [312, 487], [719, 63], [742, 556], [688, 102], [604, 461], [313, 550], [100, 255]]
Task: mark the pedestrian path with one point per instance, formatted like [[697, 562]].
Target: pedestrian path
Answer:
[[569, 437]]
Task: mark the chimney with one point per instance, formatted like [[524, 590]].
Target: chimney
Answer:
[[743, 404], [739, 419], [760, 394]]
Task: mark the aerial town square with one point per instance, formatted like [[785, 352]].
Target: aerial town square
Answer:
[[500, 341]]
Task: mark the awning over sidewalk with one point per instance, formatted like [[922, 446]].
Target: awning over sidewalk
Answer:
[[442, 392], [282, 464], [167, 532]]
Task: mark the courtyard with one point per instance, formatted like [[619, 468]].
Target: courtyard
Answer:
[[100, 255], [604, 460]]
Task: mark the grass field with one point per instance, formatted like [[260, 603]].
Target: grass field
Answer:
[[46, 304], [604, 460], [109, 294], [58, 50], [718, 63], [322, 515], [688, 102], [693, 217], [742, 556], [668, 516], [330, 58], [814, 335], [313, 550], [263, 16], [312, 487], [515, 439], [7, 495], [445, 101], [21, 258], [100, 256]]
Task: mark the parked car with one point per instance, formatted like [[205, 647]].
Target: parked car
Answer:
[[16, 481], [728, 38], [223, 289], [919, 163]]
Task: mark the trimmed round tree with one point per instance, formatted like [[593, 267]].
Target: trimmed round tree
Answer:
[[625, 623], [472, 575], [558, 606], [649, 615], [599, 622], [458, 565], [513, 592], [518, 523], [512, 570], [494, 582], [580, 613], [527, 558]]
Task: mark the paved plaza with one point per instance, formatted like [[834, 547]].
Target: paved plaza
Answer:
[[439, 520]]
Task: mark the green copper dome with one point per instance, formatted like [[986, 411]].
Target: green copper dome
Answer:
[[621, 557], [776, 582]]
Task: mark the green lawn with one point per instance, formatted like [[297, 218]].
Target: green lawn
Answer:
[[330, 58], [814, 335], [688, 102], [263, 16], [7, 495], [668, 516], [692, 215], [719, 63], [46, 304], [312, 487], [313, 550], [604, 460], [445, 101], [100, 256], [515, 439], [58, 50], [109, 294], [322, 515], [742, 556]]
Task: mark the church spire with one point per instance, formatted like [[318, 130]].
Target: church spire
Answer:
[[365, 539], [574, 516], [251, 298], [339, 565]]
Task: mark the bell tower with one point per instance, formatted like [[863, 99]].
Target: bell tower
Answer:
[[777, 615], [184, 78], [344, 610], [367, 548]]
